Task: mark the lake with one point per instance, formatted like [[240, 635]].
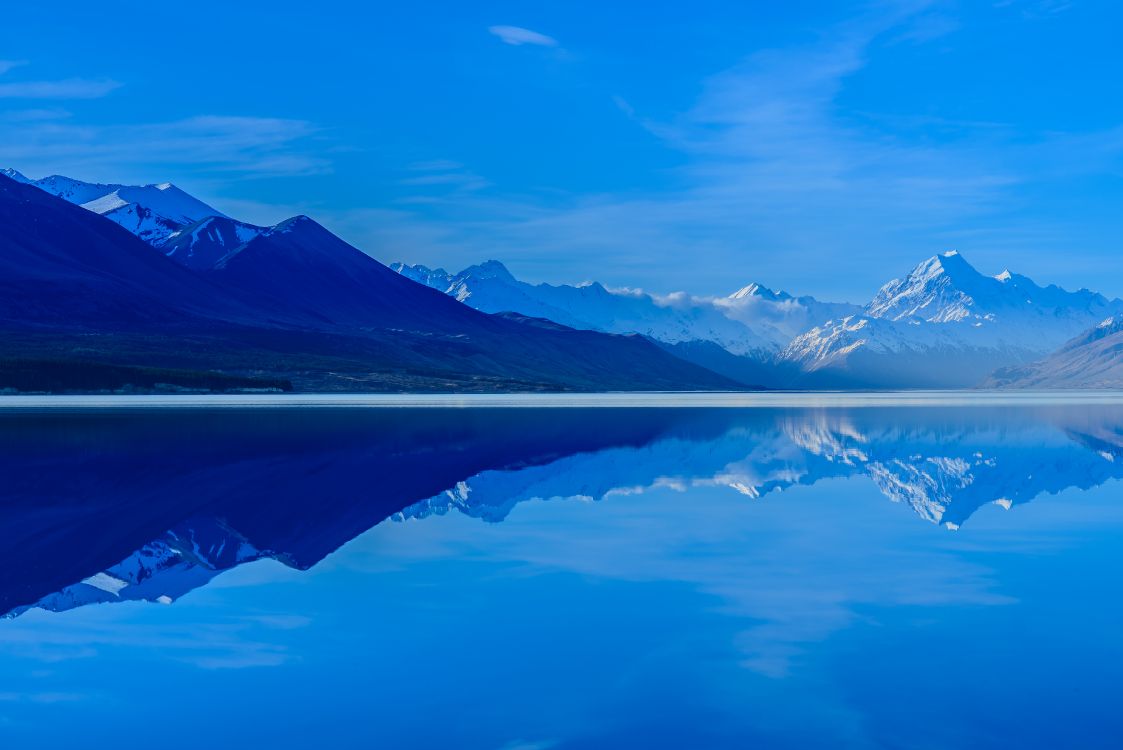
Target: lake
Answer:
[[776, 571]]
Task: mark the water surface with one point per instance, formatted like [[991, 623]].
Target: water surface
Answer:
[[868, 575]]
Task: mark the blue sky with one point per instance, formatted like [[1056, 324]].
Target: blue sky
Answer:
[[819, 147]]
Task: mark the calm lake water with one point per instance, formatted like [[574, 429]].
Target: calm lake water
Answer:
[[866, 576]]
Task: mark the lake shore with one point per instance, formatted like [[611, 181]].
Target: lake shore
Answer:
[[770, 399]]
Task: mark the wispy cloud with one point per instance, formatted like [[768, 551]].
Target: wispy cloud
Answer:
[[442, 173], [518, 36], [71, 88], [1036, 9], [6, 65], [233, 146], [35, 114], [779, 183]]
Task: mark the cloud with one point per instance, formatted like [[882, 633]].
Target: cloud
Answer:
[[209, 144], [6, 65], [777, 182], [446, 174], [71, 88], [518, 36], [34, 115]]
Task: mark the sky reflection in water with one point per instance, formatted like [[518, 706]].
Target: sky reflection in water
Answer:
[[562, 578]]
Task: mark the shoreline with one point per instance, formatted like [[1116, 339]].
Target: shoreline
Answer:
[[767, 399]]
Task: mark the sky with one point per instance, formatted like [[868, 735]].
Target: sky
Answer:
[[819, 147]]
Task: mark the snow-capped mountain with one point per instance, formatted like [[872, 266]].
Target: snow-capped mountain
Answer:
[[1094, 359], [944, 325], [738, 336], [779, 312], [490, 287], [151, 212], [12, 174]]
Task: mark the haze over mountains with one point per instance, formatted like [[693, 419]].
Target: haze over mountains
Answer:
[[944, 325], [294, 301]]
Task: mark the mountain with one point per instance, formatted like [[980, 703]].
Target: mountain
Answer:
[[490, 287], [1094, 359], [64, 267], [151, 212], [779, 312], [738, 336], [201, 245], [12, 174], [943, 325], [294, 301], [300, 271]]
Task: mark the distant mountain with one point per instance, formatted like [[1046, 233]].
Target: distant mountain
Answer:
[[944, 325], [748, 328], [490, 287], [779, 312], [12, 174], [1094, 359], [293, 299], [151, 212]]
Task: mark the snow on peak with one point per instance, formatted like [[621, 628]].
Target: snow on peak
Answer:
[[13, 174], [758, 290], [671, 319], [1005, 275], [941, 289], [152, 212]]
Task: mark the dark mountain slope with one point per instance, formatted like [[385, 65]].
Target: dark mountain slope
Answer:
[[65, 267], [300, 273], [296, 301]]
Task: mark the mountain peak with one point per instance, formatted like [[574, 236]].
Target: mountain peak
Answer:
[[13, 174], [152, 212], [941, 289], [948, 262], [759, 290], [294, 224], [489, 269]]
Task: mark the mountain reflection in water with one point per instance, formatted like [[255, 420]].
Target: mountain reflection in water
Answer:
[[107, 507]]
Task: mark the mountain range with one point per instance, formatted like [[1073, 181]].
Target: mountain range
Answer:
[[1094, 359], [295, 302], [943, 325], [291, 301]]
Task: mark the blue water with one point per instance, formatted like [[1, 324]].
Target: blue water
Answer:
[[867, 577]]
